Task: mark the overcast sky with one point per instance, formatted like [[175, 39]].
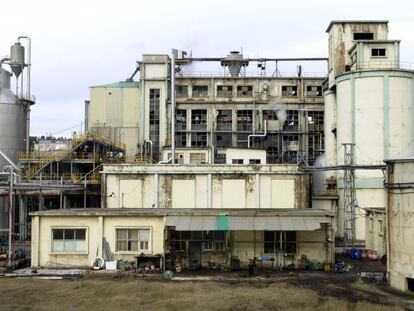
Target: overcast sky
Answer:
[[77, 44]]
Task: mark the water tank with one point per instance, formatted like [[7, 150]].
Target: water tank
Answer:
[[12, 120], [17, 58], [234, 62]]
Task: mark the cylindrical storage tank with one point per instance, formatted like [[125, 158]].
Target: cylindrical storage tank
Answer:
[[374, 112], [17, 58], [12, 121], [330, 130], [4, 79]]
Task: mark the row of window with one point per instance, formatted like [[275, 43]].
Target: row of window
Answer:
[[74, 240], [274, 241], [244, 119], [244, 90]]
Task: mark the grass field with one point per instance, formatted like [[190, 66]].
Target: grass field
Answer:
[[131, 293]]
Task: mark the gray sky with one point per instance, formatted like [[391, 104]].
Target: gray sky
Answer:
[[77, 44]]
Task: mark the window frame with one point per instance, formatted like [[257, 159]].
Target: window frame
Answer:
[[378, 52], [85, 252], [139, 250]]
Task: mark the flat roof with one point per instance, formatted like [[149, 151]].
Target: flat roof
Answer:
[[119, 84], [378, 21], [161, 212], [401, 160]]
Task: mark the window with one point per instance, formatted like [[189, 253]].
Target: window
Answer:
[[289, 90], [244, 120], [292, 120], [208, 246], [181, 119], [363, 36], [181, 140], [154, 121], [314, 90], [224, 91], [199, 119], [223, 140], [237, 161], [224, 120], [209, 240], [200, 90], [380, 229], [378, 52], [270, 115], [315, 121], [132, 240], [199, 139], [254, 161], [244, 90], [69, 240], [181, 90], [197, 158], [276, 241], [371, 224]]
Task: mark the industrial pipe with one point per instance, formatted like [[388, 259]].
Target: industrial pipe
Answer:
[[9, 161], [3, 60], [29, 64], [257, 135]]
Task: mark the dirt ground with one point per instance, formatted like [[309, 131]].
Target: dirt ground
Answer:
[[131, 292]]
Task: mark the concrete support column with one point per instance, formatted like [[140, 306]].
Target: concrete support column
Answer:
[[100, 235], [35, 241], [330, 244]]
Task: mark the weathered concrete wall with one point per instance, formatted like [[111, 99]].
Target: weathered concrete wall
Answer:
[[232, 186], [400, 214]]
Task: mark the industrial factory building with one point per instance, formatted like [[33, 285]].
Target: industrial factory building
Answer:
[[243, 163]]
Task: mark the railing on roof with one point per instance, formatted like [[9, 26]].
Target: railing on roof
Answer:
[[275, 74], [383, 64]]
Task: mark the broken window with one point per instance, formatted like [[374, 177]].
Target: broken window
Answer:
[[181, 140], [315, 121], [244, 90], [223, 140], [277, 241], [199, 119], [69, 240], [200, 90], [199, 139], [224, 120], [244, 120], [363, 36], [131, 240], [292, 120], [224, 91], [314, 90], [242, 140], [270, 115], [237, 161], [378, 52], [181, 119], [289, 90], [181, 91], [197, 158]]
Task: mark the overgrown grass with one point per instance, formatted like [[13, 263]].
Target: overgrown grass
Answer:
[[138, 294]]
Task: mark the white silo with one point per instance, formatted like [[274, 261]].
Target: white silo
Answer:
[[375, 113]]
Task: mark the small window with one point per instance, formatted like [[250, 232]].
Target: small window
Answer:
[[254, 161], [237, 161], [209, 246], [69, 240], [181, 90], [197, 158], [380, 229], [371, 224], [363, 36], [378, 52], [200, 90], [289, 90], [244, 90], [219, 246], [224, 91], [314, 90], [132, 240]]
